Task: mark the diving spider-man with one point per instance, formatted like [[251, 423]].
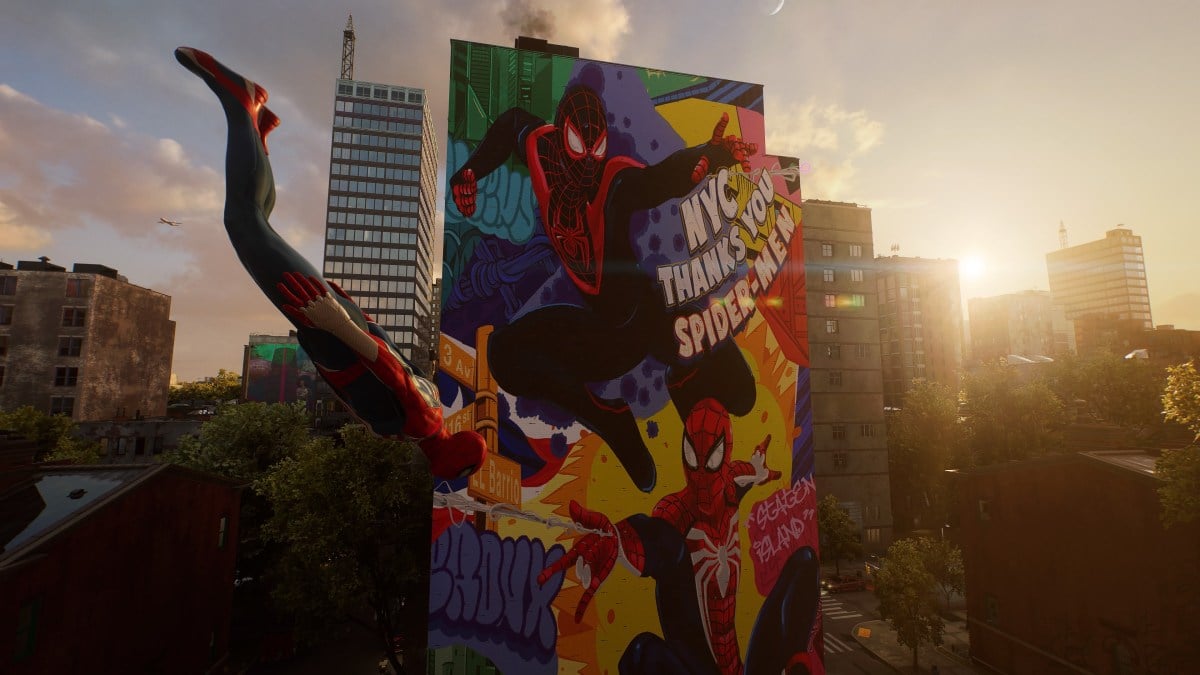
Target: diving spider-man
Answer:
[[352, 353], [586, 199], [689, 545]]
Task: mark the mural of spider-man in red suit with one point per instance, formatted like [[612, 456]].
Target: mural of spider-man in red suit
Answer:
[[586, 199], [689, 544], [351, 352]]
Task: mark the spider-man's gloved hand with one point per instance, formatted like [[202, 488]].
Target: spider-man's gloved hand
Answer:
[[723, 150], [464, 187], [593, 555]]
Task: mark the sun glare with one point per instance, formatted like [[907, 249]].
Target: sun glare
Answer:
[[972, 267]]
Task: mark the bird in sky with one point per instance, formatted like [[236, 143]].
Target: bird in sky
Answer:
[[172, 223]]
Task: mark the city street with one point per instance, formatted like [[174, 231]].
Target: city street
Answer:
[[843, 654]]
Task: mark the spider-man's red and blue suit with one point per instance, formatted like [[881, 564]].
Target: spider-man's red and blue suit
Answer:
[[586, 198], [352, 353], [690, 545]]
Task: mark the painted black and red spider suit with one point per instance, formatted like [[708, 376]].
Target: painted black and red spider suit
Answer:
[[352, 353], [586, 199], [690, 544]]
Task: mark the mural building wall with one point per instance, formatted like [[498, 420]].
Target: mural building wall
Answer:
[[624, 321]]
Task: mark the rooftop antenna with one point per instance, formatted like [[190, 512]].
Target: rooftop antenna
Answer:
[[1062, 235], [348, 49]]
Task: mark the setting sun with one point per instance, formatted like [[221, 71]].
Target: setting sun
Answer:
[[972, 267]]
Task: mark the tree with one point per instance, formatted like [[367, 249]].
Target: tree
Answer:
[[839, 533], [1180, 469], [354, 520], [907, 594], [925, 437], [1122, 391], [226, 386], [55, 435], [944, 561], [1009, 419]]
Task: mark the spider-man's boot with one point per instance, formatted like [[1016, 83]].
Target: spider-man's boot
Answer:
[[454, 455], [231, 88]]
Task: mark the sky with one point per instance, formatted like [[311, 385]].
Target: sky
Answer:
[[970, 129]]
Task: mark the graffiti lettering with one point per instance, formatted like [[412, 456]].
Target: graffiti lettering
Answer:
[[778, 526], [487, 587]]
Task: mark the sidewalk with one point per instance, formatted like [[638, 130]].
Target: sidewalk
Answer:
[[878, 638]]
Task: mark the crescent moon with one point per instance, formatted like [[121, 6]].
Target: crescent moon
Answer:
[[776, 10]]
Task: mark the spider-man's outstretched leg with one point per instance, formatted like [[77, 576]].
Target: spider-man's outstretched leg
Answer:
[[352, 353]]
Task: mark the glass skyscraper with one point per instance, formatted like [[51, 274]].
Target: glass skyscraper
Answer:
[[380, 217]]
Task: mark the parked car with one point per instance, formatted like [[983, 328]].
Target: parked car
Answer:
[[844, 583]]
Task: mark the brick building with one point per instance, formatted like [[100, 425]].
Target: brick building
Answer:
[[1069, 568], [116, 569], [85, 343]]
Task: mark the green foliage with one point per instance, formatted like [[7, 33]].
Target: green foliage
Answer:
[[1180, 469], [1181, 396], [243, 441], [1118, 390], [353, 520], [1180, 492], [54, 434], [839, 533], [944, 561], [226, 386], [907, 593], [925, 438], [1009, 419]]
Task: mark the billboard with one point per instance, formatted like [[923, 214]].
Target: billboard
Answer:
[[624, 321]]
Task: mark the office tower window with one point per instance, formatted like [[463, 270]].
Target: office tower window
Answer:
[[867, 430], [858, 300], [831, 326], [839, 432], [827, 250], [873, 535], [835, 378], [827, 274], [840, 459], [856, 275], [830, 300], [855, 250], [833, 351], [861, 351]]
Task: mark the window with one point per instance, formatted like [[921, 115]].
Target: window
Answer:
[[840, 460], [827, 250], [860, 351], [3, 345], [991, 609], [222, 531], [8, 285], [69, 346], [856, 275], [835, 378], [827, 275], [867, 430], [831, 326], [830, 300], [65, 376], [62, 405], [855, 250], [873, 535], [1, 374], [73, 317], [833, 351], [858, 300], [6, 312], [139, 446], [985, 509], [839, 432], [27, 625], [158, 445], [75, 288]]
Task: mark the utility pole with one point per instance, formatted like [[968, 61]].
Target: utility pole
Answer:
[[348, 49]]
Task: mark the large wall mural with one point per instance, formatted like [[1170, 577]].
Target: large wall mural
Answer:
[[624, 323]]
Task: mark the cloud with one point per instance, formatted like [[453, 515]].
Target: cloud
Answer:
[[18, 237], [828, 137]]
